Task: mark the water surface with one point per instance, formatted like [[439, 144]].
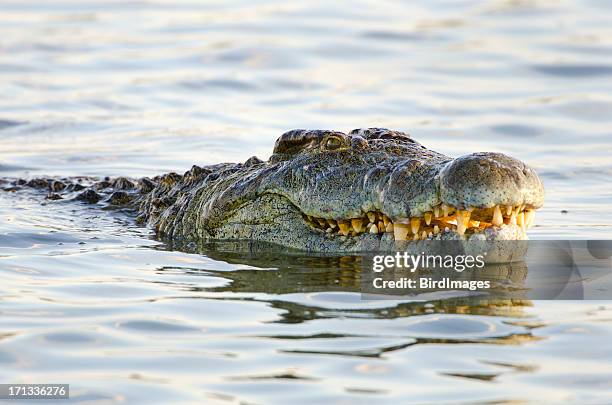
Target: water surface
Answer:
[[143, 87]]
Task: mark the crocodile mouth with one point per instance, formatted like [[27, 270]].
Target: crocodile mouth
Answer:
[[441, 219]]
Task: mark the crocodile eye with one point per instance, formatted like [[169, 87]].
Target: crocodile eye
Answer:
[[333, 143]]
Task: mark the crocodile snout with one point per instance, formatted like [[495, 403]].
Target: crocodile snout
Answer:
[[487, 179]]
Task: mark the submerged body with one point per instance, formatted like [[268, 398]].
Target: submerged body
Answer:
[[326, 191]]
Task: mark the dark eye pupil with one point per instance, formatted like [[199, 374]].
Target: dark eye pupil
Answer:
[[332, 143]]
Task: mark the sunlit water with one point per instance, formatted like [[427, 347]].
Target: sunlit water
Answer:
[[140, 88]]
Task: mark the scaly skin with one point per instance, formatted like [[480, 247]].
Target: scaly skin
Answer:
[[345, 177], [326, 175]]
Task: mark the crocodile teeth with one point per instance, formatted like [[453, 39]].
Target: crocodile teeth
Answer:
[[400, 231], [513, 218], [436, 211], [445, 209], [520, 219], [344, 227], [463, 217], [428, 225], [415, 224], [357, 224], [497, 216], [529, 217], [372, 217]]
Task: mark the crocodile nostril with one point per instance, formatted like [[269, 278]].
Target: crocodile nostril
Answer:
[[358, 142]]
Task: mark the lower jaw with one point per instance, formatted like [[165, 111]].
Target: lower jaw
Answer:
[[302, 237], [388, 240], [504, 244]]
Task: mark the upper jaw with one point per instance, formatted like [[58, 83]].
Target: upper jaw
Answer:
[[474, 194]]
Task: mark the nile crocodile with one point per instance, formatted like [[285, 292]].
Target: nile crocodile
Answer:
[[329, 191]]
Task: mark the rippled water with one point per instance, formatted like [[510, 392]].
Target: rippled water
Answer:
[[139, 88]]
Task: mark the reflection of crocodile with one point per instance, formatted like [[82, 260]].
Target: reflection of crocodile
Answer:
[[329, 191], [281, 275]]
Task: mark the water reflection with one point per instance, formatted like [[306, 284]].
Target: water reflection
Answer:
[[277, 271]]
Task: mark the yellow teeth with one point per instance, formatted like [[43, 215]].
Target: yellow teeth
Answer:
[[357, 223], [513, 218], [463, 218], [440, 218], [445, 210], [529, 218], [372, 217], [520, 220], [436, 211], [344, 227], [415, 224], [497, 216], [400, 231]]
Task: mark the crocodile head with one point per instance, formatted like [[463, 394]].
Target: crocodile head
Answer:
[[367, 190]]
